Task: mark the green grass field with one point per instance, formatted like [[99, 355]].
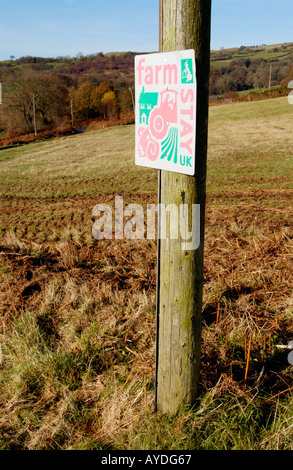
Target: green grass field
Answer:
[[77, 315]]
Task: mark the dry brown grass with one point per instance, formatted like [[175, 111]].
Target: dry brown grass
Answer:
[[77, 316]]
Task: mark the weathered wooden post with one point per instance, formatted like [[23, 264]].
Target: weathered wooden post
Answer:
[[34, 112], [185, 24], [290, 96]]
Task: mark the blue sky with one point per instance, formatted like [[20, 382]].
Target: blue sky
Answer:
[[66, 27]]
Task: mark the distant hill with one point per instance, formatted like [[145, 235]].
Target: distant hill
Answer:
[[100, 86], [65, 90], [273, 53], [247, 68], [238, 69], [116, 67]]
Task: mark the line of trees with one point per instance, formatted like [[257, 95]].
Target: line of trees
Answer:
[[247, 74], [49, 92], [39, 96], [33, 94]]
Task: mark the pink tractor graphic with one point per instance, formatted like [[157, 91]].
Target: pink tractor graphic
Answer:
[[159, 120], [162, 115]]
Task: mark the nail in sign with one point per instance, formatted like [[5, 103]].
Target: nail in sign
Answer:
[[165, 111]]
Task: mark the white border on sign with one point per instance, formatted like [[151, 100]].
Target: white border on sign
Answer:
[[154, 74]]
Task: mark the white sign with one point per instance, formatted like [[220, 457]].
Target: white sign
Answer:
[[165, 111]]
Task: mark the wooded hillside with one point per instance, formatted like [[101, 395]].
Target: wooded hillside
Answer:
[[50, 96]]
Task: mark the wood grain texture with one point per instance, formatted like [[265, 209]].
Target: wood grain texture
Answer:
[[185, 24]]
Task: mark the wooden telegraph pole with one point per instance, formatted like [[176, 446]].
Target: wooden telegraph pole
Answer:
[[34, 111], [184, 24], [71, 112], [270, 79]]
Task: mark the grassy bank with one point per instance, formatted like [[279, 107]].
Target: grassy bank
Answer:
[[78, 315]]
